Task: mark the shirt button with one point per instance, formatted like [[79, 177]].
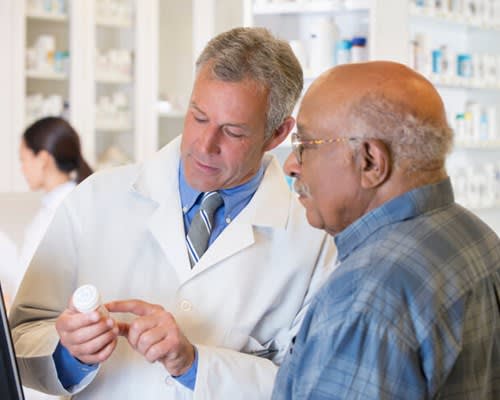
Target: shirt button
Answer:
[[186, 305], [228, 220], [184, 209]]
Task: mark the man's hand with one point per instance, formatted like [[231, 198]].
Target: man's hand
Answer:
[[89, 337], [155, 335]]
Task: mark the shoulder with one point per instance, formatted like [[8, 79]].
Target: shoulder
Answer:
[[107, 182]]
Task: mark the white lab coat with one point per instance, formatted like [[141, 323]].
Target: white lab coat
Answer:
[[32, 237], [34, 232], [8, 266], [122, 230]]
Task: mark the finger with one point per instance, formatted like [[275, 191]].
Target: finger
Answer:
[[151, 338], [137, 307], [139, 326], [70, 321], [158, 351], [87, 333], [101, 355], [93, 346]]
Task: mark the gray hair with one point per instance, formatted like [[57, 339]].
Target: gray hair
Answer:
[[423, 144], [256, 54]]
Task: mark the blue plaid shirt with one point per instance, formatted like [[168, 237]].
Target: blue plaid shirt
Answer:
[[412, 312]]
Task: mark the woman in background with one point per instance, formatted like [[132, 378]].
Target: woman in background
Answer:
[[52, 162]]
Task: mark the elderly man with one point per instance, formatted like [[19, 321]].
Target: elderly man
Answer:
[[206, 234], [413, 309]]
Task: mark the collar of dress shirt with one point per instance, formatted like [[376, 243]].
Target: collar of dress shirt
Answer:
[[408, 205], [235, 198]]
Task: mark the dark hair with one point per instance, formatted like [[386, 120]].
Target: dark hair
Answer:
[[56, 136]]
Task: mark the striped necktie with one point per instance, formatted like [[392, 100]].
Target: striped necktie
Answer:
[[201, 226]]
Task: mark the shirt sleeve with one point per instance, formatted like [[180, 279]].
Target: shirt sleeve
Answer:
[[188, 379], [70, 371]]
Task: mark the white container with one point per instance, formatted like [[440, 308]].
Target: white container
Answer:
[[87, 298], [323, 34], [491, 113], [359, 52]]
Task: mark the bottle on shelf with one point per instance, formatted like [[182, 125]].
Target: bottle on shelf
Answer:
[[323, 34]]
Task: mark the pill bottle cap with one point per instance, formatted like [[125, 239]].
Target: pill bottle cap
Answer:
[[86, 298], [344, 44], [358, 41]]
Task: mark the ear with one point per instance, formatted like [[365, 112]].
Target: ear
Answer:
[[280, 133], [375, 160], [45, 159]]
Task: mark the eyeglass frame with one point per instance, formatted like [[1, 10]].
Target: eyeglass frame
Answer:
[[298, 143]]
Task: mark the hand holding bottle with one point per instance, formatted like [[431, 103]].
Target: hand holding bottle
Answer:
[[91, 335]]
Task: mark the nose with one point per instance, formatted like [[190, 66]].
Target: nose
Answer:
[[291, 166], [208, 141]]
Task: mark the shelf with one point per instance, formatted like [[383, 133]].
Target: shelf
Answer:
[[485, 145], [110, 126], [46, 16], [172, 114], [461, 20], [46, 75], [112, 78], [461, 83], [120, 23], [325, 6], [493, 207]]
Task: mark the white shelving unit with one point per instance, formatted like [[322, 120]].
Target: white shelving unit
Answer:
[[114, 76], [297, 21], [474, 165], [77, 31]]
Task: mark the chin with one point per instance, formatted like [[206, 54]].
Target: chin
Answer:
[[314, 220]]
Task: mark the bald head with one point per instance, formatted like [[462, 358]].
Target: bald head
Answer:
[[395, 82], [387, 101]]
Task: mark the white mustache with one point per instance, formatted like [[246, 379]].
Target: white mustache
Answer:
[[301, 188]]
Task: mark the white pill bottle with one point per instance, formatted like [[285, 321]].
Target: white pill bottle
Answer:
[[87, 298]]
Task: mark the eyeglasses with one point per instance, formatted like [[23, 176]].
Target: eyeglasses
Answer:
[[298, 144]]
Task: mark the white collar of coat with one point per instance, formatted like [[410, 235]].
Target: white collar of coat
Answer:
[[158, 181]]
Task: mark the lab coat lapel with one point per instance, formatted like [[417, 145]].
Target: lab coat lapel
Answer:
[[268, 207], [158, 181]]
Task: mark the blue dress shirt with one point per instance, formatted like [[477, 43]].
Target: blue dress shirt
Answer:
[[412, 311], [71, 371]]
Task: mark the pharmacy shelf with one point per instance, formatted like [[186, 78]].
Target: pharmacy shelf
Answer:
[[459, 20], [112, 78], [46, 16], [172, 114], [120, 23], [110, 126], [455, 82], [293, 7], [493, 145], [46, 75], [490, 207]]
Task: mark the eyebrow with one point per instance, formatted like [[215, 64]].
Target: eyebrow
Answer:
[[230, 124], [193, 104]]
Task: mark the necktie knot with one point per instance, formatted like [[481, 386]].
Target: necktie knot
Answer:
[[210, 202]]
